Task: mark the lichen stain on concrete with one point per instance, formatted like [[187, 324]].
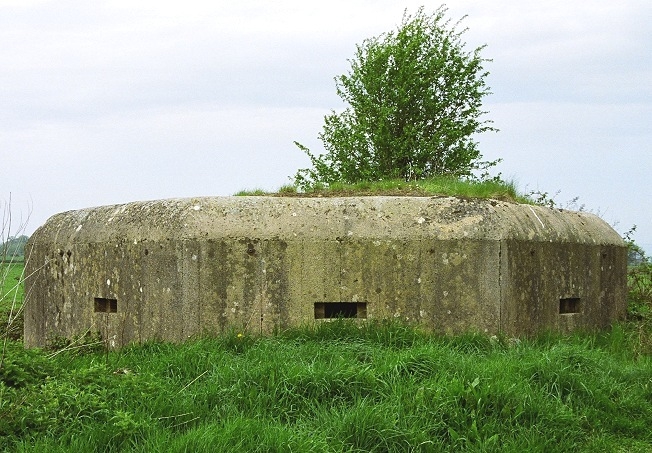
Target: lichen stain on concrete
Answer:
[[185, 267]]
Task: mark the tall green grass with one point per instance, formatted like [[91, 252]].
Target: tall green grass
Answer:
[[336, 387]]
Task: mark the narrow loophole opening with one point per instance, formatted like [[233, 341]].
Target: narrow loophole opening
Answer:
[[569, 305], [334, 310], [104, 305]]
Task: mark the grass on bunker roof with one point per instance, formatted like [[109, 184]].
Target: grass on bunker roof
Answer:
[[439, 186]]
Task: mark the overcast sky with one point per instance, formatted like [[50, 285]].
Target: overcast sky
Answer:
[[115, 101]]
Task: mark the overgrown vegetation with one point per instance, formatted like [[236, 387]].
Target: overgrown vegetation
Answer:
[[338, 387], [414, 99], [436, 186], [639, 291], [12, 260]]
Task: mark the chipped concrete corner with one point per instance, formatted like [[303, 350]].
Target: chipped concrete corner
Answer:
[[174, 269]]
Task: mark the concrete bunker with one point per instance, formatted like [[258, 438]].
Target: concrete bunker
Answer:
[[173, 269]]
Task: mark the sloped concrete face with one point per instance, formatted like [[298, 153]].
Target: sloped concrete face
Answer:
[[174, 269]]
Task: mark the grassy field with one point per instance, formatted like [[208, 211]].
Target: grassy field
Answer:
[[10, 275], [382, 387], [11, 299]]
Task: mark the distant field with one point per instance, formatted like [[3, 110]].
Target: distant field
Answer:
[[11, 301], [14, 259], [10, 275]]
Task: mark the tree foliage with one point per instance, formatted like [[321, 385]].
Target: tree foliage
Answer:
[[414, 104], [13, 247]]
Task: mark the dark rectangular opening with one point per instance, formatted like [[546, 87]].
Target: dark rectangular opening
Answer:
[[333, 310], [569, 305], [104, 305]]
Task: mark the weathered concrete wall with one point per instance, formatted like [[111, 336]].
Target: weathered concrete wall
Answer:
[[173, 269]]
